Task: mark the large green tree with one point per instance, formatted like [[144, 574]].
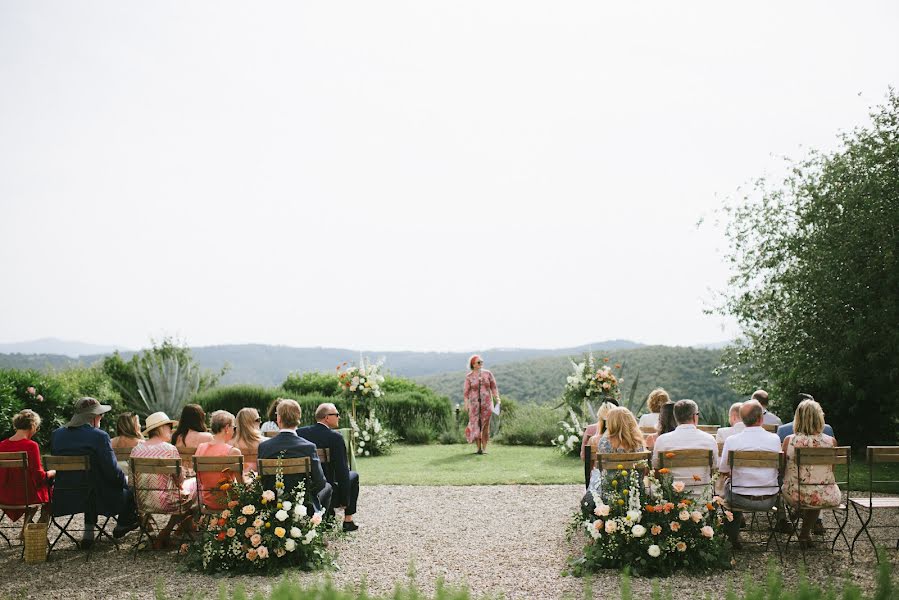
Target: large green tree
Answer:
[[815, 282]]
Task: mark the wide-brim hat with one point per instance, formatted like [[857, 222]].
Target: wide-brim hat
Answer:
[[85, 410], [157, 419]]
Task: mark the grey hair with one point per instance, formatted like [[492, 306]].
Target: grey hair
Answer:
[[323, 409], [684, 411], [735, 409], [219, 420], [752, 414]]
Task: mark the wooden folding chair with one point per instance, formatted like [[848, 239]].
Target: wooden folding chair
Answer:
[[157, 491], [689, 458], [648, 430], [710, 429], [12, 462], [271, 434], [806, 457], [620, 460], [187, 460], [271, 467], [225, 467], [78, 470], [764, 460], [769, 428], [876, 455]]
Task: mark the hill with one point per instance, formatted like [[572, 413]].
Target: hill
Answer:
[[56, 346]]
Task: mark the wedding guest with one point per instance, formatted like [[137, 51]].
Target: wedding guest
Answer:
[[112, 496], [819, 488], [787, 428], [222, 423], [657, 398], [344, 482], [757, 487], [666, 424], [761, 396], [248, 437], [288, 444], [622, 435], [127, 436], [158, 492], [191, 431], [736, 425], [686, 437], [596, 429], [478, 391], [12, 483], [272, 413]]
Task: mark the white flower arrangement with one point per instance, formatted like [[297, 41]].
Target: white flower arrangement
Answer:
[[568, 442], [371, 438]]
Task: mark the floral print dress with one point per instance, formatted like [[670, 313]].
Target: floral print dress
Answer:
[[819, 488], [484, 383]]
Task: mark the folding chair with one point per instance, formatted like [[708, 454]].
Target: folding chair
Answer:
[[224, 467], [807, 457], [77, 469], [688, 458], [648, 430], [271, 434], [157, 491], [270, 467], [324, 457], [12, 462], [710, 429], [741, 459], [187, 456], [876, 455], [769, 428], [626, 460]]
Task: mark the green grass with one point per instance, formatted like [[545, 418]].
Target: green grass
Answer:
[[457, 464]]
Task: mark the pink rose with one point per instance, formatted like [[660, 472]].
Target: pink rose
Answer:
[[696, 516], [681, 547], [656, 529], [31, 390], [611, 526], [675, 526], [251, 555], [40, 398], [707, 531], [729, 515], [255, 539], [250, 532], [316, 519], [678, 486], [683, 515], [268, 495], [232, 532], [262, 552]]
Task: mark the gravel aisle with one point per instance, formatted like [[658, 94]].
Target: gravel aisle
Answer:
[[507, 539]]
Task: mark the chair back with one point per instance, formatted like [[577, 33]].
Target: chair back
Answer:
[[829, 457], [210, 471], [769, 428], [692, 457], [720, 448], [883, 454], [270, 434], [80, 485], [122, 454], [588, 464], [16, 461], [710, 429], [626, 460], [67, 463], [287, 466], [324, 457], [877, 455], [647, 430], [759, 459], [218, 464], [157, 487]]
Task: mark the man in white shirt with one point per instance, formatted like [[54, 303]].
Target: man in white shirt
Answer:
[[686, 437], [749, 488], [736, 424], [761, 396]]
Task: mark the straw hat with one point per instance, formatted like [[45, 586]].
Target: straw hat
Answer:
[[157, 419]]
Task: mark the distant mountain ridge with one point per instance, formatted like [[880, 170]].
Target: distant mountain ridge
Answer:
[[56, 346]]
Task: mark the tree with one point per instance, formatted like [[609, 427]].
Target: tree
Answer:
[[815, 283]]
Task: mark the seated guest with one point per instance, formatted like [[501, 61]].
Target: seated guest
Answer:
[[787, 428], [344, 482], [112, 496], [596, 428], [622, 436], [287, 444], [158, 492], [248, 437], [128, 435], [686, 437], [222, 425], [761, 396], [657, 398], [819, 489], [191, 431], [271, 425], [736, 425], [12, 484], [667, 424], [756, 488]]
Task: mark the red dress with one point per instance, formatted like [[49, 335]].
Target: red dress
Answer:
[[479, 424], [12, 489]]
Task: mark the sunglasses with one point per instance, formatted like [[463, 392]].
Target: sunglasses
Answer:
[[334, 415]]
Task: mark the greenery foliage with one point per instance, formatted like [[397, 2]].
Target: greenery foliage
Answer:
[[529, 425], [815, 270]]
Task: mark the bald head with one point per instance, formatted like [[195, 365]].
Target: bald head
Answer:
[[751, 413]]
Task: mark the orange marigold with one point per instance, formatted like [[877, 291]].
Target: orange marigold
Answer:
[[669, 455], [664, 471]]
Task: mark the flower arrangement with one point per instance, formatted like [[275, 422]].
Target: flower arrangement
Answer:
[[372, 438], [653, 525], [588, 384], [568, 442], [261, 530], [361, 383]]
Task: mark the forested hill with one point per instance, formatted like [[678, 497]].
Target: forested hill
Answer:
[[683, 372]]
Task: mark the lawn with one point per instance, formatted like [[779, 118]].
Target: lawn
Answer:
[[457, 464]]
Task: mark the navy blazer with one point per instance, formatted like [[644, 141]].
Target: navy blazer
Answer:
[[787, 429], [325, 437], [289, 445], [110, 485]]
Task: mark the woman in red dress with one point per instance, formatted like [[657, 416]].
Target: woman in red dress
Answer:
[[12, 488], [478, 392]]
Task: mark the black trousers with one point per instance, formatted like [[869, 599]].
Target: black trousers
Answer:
[[352, 496], [324, 497]]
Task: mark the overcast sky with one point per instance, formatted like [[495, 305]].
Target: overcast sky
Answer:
[[389, 175]]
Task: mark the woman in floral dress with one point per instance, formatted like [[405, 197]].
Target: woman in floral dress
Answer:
[[621, 436], [819, 488], [478, 392]]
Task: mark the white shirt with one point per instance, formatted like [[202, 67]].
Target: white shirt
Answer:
[[769, 418], [725, 432], [649, 420], [751, 481], [268, 426], [686, 437]]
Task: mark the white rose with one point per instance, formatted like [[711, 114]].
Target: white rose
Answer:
[[602, 510], [634, 515], [299, 511], [295, 532], [365, 453], [696, 516], [611, 526], [361, 443], [683, 515], [290, 545], [638, 531], [561, 439], [286, 505], [654, 551], [281, 515]]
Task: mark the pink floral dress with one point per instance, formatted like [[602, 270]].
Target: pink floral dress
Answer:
[[484, 383], [819, 488]]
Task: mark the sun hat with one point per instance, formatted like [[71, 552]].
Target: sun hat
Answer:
[[157, 419], [86, 409]]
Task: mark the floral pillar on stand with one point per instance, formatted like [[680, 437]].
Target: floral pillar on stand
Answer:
[[360, 386]]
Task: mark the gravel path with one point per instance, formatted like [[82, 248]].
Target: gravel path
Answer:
[[508, 539]]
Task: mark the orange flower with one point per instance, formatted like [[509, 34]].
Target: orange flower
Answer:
[[710, 506], [664, 471], [225, 487], [696, 477], [233, 503], [605, 360], [221, 522], [650, 508], [617, 365], [220, 536], [669, 455]]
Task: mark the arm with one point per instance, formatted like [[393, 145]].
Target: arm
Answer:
[[341, 470], [107, 464], [35, 466], [493, 389]]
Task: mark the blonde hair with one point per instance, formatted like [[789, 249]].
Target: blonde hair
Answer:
[[289, 412], [26, 419], [601, 414], [809, 418], [127, 427], [657, 398], [248, 433], [623, 426], [219, 420]]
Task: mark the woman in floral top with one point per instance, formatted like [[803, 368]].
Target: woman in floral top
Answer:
[[819, 489], [478, 392]]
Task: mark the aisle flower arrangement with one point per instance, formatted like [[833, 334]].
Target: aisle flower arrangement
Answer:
[[371, 438], [589, 384], [571, 431], [652, 525], [262, 530], [360, 383]]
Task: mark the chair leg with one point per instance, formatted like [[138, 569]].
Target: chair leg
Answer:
[[864, 528], [841, 532], [3, 535], [63, 530]]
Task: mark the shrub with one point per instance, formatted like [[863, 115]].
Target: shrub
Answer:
[[302, 384], [419, 432], [529, 425]]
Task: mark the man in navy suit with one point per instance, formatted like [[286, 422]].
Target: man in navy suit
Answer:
[[287, 444], [112, 496], [344, 481]]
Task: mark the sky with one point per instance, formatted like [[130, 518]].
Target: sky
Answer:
[[403, 175]]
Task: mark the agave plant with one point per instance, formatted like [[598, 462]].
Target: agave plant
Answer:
[[165, 383]]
